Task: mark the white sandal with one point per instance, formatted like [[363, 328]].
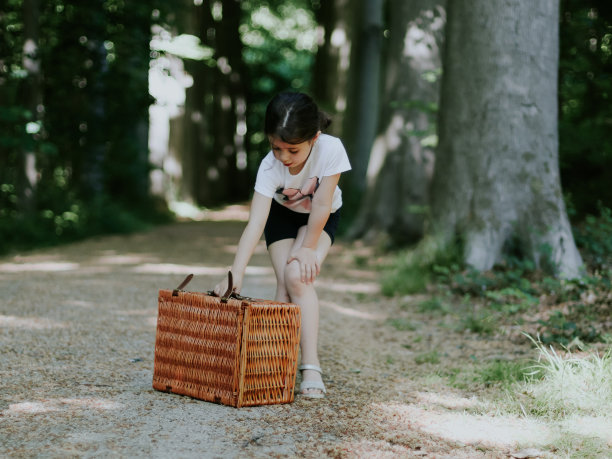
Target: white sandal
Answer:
[[307, 385]]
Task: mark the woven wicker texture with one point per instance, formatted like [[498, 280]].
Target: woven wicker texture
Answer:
[[239, 353]]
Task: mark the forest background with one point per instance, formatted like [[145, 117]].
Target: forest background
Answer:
[[115, 115]]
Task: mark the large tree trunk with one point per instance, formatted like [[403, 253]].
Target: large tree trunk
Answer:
[[361, 122], [496, 180], [32, 99], [189, 134], [228, 117], [331, 67], [402, 157]]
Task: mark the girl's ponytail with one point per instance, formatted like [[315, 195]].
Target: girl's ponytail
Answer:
[[324, 120]]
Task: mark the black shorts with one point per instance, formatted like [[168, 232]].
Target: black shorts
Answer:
[[284, 223]]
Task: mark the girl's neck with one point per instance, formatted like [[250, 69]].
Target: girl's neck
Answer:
[[295, 170]]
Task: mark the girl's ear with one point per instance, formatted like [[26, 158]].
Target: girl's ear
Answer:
[[316, 136]]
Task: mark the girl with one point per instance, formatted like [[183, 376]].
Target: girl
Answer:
[[296, 204]]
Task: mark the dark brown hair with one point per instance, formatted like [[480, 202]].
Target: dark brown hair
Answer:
[[294, 117]]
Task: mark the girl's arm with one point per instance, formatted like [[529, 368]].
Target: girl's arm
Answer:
[[260, 208], [319, 214]]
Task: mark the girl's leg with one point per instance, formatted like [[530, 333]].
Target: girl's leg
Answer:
[[306, 297], [279, 254]]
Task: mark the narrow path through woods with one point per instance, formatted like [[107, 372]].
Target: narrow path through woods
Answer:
[[77, 329]]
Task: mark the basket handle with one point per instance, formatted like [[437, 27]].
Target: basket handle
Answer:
[[182, 285], [230, 287], [229, 293]]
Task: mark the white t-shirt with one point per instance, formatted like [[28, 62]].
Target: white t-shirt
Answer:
[[328, 157]]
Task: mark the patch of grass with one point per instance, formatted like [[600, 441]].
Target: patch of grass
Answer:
[[593, 237], [502, 372], [576, 446], [569, 384], [433, 305], [402, 324], [432, 357], [405, 280], [481, 322], [361, 261], [413, 270], [459, 377]]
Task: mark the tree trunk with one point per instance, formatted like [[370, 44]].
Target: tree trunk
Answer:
[[331, 67], [32, 95], [95, 136], [402, 157], [228, 120], [361, 122], [496, 180], [191, 132]]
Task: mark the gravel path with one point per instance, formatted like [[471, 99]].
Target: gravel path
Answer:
[[77, 332]]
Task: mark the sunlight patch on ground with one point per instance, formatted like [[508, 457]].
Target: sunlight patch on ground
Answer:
[[137, 312], [489, 431], [44, 266], [345, 287], [589, 427], [351, 312], [185, 210], [260, 248], [449, 400], [375, 449], [237, 212], [361, 274], [80, 304], [62, 404], [30, 323], [169, 268], [129, 259]]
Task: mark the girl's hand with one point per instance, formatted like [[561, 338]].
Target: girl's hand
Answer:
[[309, 265], [221, 287]]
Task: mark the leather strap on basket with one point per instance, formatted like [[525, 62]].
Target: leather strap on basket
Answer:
[[230, 287], [182, 285], [229, 293]]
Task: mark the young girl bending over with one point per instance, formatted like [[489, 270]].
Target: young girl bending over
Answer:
[[296, 204]]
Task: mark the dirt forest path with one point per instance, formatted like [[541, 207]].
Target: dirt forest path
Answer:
[[77, 332]]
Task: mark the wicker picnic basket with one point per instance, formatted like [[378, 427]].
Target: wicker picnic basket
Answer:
[[232, 350]]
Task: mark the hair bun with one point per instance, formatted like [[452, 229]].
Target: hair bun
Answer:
[[324, 120]]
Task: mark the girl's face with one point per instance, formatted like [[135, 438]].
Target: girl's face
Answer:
[[292, 155]]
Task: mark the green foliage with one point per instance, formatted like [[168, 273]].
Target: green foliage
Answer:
[[432, 357], [560, 311], [88, 137], [279, 39], [479, 321], [405, 280], [413, 270], [585, 89], [433, 305], [503, 372], [594, 238], [402, 324], [74, 221]]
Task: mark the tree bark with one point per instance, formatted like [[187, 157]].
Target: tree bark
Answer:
[[331, 67], [228, 120], [402, 158], [32, 98], [496, 181], [361, 122]]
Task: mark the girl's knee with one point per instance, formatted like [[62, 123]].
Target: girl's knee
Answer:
[[293, 278]]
